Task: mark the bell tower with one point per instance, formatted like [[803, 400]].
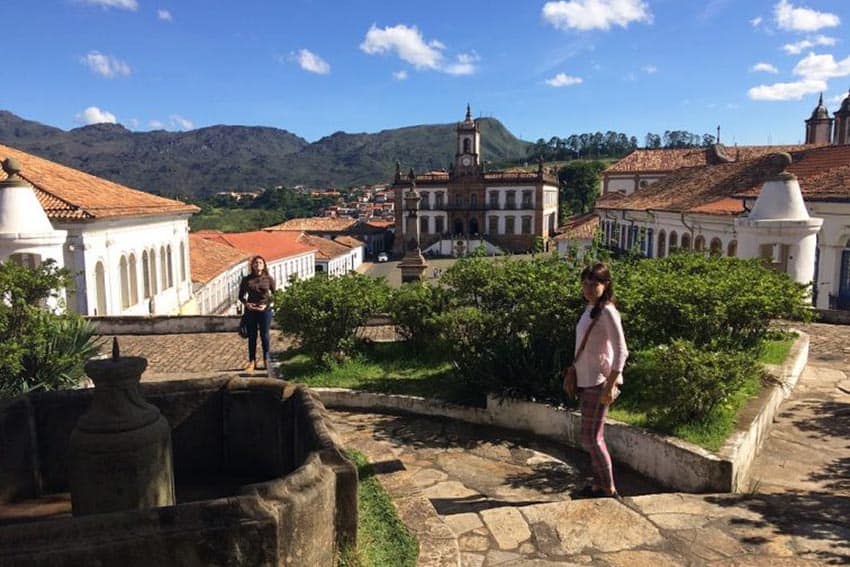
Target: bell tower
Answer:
[[819, 126], [467, 155], [842, 122]]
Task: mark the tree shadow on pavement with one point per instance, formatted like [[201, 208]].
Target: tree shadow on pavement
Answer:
[[817, 520], [521, 462]]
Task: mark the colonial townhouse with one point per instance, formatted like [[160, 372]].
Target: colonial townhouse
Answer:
[[128, 250]]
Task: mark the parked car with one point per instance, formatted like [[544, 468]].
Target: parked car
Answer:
[[382, 257]]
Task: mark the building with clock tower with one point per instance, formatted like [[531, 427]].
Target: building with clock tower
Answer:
[[467, 207]]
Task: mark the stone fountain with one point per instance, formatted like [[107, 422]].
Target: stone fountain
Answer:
[[211, 471]]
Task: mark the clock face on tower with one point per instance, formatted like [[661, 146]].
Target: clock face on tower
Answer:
[[466, 161]]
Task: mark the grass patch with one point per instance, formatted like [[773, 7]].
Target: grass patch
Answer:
[[392, 368], [775, 351], [386, 368], [381, 537]]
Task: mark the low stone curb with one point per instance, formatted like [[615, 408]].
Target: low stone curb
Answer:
[[677, 464]]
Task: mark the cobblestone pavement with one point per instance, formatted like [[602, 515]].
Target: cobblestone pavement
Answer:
[[478, 497], [193, 355]]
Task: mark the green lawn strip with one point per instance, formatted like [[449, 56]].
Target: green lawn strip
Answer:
[[392, 368], [386, 368], [382, 539], [775, 351]]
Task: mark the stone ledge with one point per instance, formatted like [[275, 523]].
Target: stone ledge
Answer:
[[677, 464]]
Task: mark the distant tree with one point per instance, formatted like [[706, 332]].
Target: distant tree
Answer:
[[579, 186], [708, 140], [653, 141]]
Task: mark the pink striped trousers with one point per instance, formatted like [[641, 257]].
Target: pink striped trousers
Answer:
[[593, 415]]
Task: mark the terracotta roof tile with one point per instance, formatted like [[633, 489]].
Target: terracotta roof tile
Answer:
[[665, 160], [349, 241], [326, 249], [316, 224], [271, 245], [210, 257], [582, 227], [823, 173], [691, 187], [67, 193]]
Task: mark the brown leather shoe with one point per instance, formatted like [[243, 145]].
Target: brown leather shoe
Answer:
[[250, 366]]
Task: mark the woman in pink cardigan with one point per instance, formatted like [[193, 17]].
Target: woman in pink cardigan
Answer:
[[599, 367]]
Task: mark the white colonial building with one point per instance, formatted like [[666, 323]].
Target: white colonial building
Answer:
[[127, 249], [789, 205], [507, 210]]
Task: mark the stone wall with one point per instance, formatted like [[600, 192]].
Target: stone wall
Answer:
[[285, 493]]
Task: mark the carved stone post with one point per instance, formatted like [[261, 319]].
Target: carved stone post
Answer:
[[413, 264], [120, 450]]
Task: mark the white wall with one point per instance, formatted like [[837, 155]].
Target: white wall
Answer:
[[97, 247], [833, 239]]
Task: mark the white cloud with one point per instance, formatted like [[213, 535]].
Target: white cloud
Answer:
[[764, 68], [787, 91], [105, 65], [595, 14], [464, 65], [177, 122], [564, 80], [798, 47], [164, 15], [94, 115], [822, 67], [311, 62], [409, 45], [802, 19], [400, 75], [837, 99], [120, 4], [756, 22], [156, 125], [650, 69], [132, 123]]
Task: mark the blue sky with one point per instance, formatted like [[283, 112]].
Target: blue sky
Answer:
[[544, 69]]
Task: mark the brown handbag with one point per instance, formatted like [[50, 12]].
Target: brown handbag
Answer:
[[570, 385]]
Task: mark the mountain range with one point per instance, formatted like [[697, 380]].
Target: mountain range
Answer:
[[198, 163]]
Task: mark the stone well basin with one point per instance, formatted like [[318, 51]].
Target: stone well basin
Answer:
[[260, 478]]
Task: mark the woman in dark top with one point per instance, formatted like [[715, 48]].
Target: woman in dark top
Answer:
[[255, 293]]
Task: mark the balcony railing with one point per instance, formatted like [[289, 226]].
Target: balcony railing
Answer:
[[526, 206]]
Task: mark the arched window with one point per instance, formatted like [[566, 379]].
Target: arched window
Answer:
[[154, 282], [146, 275], [467, 145], [26, 260], [134, 281], [699, 243], [100, 288], [125, 282], [716, 247], [163, 268], [182, 262], [732, 248], [170, 268], [674, 241], [662, 243], [686, 241]]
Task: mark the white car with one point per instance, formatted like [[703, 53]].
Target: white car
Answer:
[[382, 257]]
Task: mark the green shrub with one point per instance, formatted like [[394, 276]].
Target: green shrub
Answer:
[[724, 303], [323, 313], [416, 308], [681, 383], [39, 349], [513, 328]]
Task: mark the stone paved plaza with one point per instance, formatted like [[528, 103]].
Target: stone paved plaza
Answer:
[[483, 497]]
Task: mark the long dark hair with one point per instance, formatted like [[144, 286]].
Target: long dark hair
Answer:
[[599, 272], [265, 265]]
